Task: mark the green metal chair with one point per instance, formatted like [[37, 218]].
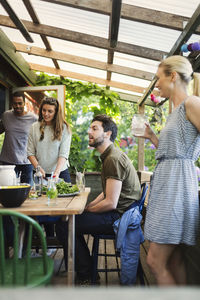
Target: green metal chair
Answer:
[[27, 271]]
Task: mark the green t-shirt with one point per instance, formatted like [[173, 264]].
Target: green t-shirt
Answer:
[[117, 165]]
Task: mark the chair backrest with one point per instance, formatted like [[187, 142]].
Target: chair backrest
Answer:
[[15, 263], [144, 188]]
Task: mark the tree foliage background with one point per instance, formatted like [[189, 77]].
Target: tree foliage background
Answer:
[[83, 102]]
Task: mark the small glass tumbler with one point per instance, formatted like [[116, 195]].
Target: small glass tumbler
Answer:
[[80, 181], [138, 124]]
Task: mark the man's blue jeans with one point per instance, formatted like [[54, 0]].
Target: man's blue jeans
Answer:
[[26, 173], [86, 223]]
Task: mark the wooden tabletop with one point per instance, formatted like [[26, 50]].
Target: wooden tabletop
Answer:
[[65, 205]]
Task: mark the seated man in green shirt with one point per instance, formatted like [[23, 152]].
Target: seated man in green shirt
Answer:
[[121, 187]]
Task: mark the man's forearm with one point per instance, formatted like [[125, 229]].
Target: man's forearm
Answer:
[[99, 198], [113, 188], [101, 206]]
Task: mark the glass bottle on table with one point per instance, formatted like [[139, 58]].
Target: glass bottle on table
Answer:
[[38, 181], [52, 192]]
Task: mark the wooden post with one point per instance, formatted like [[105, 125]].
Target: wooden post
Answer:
[[71, 250], [141, 145]]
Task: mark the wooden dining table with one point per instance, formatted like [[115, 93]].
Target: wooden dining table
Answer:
[[67, 207]]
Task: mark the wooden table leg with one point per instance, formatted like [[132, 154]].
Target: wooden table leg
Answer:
[[71, 250]]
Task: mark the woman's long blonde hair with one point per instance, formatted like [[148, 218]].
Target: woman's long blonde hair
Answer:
[[183, 67], [57, 122]]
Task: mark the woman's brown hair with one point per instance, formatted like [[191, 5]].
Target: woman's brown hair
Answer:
[[58, 120]]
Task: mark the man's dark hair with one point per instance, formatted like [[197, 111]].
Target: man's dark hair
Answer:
[[19, 94], [108, 125]]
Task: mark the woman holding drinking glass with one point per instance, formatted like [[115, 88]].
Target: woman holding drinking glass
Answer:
[[172, 215]]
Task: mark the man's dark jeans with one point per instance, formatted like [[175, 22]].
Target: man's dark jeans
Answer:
[[87, 223], [26, 173]]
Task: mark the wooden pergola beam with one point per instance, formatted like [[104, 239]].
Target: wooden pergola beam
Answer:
[[101, 7], [114, 24], [88, 78], [134, 99], [83, 61], [15, 19], [130, 12], [114, 21], [10, 60], [183, 38], [86, 39], [196, 64], [35, 20], [187, 32]]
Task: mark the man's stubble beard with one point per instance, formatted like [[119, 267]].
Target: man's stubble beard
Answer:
[[97, 142]]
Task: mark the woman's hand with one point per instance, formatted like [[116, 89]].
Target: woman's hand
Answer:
[[56, 174], [61, 161], [149, 134], [43, 172]]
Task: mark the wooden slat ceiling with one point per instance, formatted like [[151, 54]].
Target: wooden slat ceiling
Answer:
[[126, 59]]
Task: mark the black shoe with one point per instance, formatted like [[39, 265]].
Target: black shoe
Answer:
[[98, 279], [86, 280], [83, 282]]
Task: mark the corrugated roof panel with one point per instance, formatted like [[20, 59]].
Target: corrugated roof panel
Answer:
[[78, 49], [135, 62], [125, 91], [130, 80], [145, 35], [19, 8], [72, 18], [63, 17], [38, 60], [15, 36], [177, 7], [82, 70]]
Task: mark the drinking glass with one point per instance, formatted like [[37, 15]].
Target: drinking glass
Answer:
[[33, 194], [138, 124], [80, 181]]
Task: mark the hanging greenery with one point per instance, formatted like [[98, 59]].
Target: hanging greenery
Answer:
[[83, 101], [76, 90]]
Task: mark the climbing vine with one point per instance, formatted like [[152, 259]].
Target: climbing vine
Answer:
[[77, 90]]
